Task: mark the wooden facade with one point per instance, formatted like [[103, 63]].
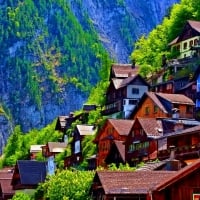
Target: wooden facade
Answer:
[[141, 143], [185, 142], [113, 129], [162, 105]]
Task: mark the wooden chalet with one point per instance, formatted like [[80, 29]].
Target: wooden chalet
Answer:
[[162, 105], [6, 190], [61, 123], [34, 150], [148, 185], [53, 148], [187, 43], [28, 174], [186, 144], [123, 95], [141, 143], [80, 132], [125, 90], [113, 129]]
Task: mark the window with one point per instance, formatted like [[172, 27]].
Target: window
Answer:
[[155, 109], [189, 109], [131, 147], [147, 110], [77, 146], [133, 133], [191, 43], [135, 91], [133, 101], [185, 45]]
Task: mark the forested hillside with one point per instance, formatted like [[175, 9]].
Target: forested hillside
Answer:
[[52, 53]]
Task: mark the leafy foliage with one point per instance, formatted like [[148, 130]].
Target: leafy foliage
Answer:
[[149, 50], [66, 185], [18, 144]]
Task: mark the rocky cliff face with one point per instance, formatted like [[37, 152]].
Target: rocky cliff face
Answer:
[[118, 24]]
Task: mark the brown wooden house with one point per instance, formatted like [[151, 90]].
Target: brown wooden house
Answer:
[[123, 95], [186, 144], [141, 143], [53, 148], [148, 185], [28, 174], [80, 132], [162, 105], [113, 129]]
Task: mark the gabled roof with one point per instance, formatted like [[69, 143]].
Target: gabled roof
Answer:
[[154, 98], [31, 172], [36, 148], [86, 129], [121, 148], [57, 147], [61, 122], [151, 126], [181, 174], [127, 182], [193, 24], [122, 126], [176, 98], [123, 70]]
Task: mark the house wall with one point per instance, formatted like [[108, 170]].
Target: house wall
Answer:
[[184, 47], [183, 189], [134, 95], [149, 110]]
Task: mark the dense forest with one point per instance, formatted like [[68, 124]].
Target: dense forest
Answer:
[[148, 55]]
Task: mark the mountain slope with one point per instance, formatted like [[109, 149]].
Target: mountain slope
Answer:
[[53, 52]]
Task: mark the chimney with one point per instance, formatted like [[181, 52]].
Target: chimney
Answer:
[[172, 152]]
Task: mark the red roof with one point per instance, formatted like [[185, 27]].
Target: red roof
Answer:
[[122, 126], [138, 182], [123, 70], [151, 126]]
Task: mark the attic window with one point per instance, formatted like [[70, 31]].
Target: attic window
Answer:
[[147, 110], [135, 91]]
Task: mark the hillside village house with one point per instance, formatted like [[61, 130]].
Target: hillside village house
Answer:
[[188, 41], [186, 144], [162, 105], [125, 90], [113, 129], [141, 143], [81, 131]]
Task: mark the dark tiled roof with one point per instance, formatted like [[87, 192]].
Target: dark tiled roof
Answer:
[[123, 126], [182, 132], [138, 182], [176, 98], [57, 147], [151, 126], [123, 70], [31, 172]]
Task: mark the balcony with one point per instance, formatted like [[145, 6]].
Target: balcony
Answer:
[[184, 152], [112, 108]]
